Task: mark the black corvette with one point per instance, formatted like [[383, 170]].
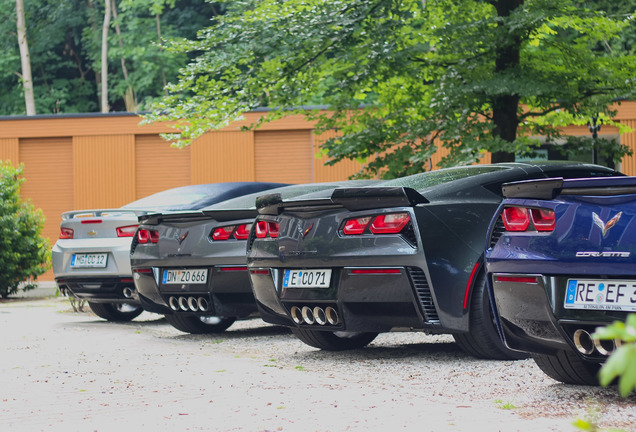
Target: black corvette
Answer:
[[404, 255], [194, 271]]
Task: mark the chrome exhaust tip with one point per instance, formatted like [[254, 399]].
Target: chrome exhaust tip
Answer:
[[128, 292], [183, 303], [583, 342], [332, 316], [319, 315], [605, 346], [192, 304], [296, 315], [203, 305], [308, 315], [174, 303]]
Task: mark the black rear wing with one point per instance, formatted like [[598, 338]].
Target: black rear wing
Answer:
[[352, 199], [551, 188], [200, 215]]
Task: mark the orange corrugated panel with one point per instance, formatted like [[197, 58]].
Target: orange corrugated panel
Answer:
[[284, 156], [48, 173], [103, 171], [628, 165], [9, 150], [158, 166], [340, 171], [223, 156]]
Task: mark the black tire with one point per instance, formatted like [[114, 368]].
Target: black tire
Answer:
[[199, 324], [482, 339], [568, 368], [116, 311], [333, 341]]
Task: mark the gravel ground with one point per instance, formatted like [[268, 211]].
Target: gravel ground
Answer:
[[66, 371]]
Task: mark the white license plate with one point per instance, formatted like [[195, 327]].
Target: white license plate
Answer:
[[614, 295], [192, 276], [98, 260], [307, 278]]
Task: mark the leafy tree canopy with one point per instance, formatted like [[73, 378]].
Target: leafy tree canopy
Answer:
[[64, 39], [402, 77]]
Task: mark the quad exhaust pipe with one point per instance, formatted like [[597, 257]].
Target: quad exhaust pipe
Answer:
[[586, 344], [316, 315], [188, 304]]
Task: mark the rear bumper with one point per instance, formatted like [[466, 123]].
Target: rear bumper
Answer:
[[363, 301], [227, 293], [99, 289], [531, 316]]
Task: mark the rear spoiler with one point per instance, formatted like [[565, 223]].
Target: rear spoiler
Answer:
[[353, 199], [201, 215], [550, 188], [98, 213]]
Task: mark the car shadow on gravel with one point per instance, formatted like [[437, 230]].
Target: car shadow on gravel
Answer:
[[237, 334]]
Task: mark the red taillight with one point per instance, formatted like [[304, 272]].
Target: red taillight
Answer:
[[356, 226], [543, 219], [265, 228], [390, 224], [516, 218], [147, 236], [223, 233], [66, 233], [382, 224], [242, 232], [273, 229], [91, 221], [142, 270], [519, 279], [127, 231]]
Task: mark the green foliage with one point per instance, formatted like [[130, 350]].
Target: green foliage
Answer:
[[24, 253], [65, 47], [403, 77], [622, 362]]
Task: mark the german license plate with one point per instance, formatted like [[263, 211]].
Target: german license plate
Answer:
[[89, 260], [614, 295], [307, 278], [190, 276]]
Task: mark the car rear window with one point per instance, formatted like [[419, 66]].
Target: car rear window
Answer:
[[433, 178]]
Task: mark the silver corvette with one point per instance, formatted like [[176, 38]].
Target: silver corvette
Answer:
[[91, 258]]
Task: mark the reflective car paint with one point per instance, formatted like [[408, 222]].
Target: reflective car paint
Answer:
[[533, 275], [435, 262], [227, 292], [113, 283]]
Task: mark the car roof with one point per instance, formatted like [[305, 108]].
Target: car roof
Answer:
[[195, 197]]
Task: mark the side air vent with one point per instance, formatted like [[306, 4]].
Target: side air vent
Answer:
[[423, 291], [497, 232]]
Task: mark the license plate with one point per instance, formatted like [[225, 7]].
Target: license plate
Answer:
[[97, 260], [613, 295], [307, 278], [192, 276]]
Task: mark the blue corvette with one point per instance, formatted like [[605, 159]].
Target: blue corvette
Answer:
[[561, 261]]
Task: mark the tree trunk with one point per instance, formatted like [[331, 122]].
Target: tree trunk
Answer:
[[105, 56], [163, 71], [27, 80], [504, 107]]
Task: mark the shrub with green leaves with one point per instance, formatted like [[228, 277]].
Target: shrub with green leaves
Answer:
[[622, 362], [24, 253]]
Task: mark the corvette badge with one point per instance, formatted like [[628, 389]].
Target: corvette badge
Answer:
[[605, 227]]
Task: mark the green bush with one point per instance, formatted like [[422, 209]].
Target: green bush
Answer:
[[24, 253], [622, 362]]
